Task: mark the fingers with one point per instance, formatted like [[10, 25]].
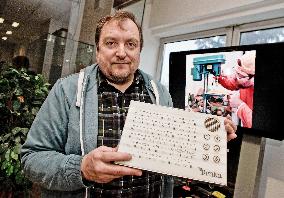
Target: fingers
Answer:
[[231, 136], [112, 156], [115, 172], [107, 174], [119, 171], [98, 165], [231, 129], [228, 117], [106, 149], [109, 154], [105, 178]]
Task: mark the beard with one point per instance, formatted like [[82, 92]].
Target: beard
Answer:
[[119, 79], [118, 73]]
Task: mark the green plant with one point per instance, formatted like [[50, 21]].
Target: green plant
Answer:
[[21, 95]]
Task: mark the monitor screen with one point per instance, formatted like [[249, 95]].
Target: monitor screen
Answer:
[[242, 82]]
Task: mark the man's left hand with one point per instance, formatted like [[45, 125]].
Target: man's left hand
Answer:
[[231, 128]]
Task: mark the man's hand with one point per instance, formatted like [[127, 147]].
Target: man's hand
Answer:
[[235, 100], [97, 165], [230, 128]]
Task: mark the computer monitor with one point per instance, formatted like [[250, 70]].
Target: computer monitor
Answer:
[[244, 82]]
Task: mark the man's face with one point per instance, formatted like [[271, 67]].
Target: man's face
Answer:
[[244, 80], [118, 53]]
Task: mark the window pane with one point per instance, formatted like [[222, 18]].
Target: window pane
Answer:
[[272, 35], [202, 43]]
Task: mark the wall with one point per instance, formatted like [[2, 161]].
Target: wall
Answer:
[[92, 13], [6, 51], [137, 9], [150, 51], [272, 176], [177, 17]]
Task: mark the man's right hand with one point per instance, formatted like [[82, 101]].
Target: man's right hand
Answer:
[[98, 165]]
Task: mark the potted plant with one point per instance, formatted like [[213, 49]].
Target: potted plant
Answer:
[[21, 95]]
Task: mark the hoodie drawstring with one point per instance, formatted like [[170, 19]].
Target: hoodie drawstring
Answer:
[[156, 92]]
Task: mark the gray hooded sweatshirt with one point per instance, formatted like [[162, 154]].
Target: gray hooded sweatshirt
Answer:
[[66, 128]]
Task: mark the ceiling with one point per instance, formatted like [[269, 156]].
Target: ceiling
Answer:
[[33, 16]]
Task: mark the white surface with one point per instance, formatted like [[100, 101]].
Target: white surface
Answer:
[[270, 188], [173, 141]]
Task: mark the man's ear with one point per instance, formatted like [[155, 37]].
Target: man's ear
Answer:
[[97, 54]]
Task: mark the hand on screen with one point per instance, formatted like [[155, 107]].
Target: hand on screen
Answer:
[[235, 100]]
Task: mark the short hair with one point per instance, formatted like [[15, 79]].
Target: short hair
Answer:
[[21, 62], [118, 16]]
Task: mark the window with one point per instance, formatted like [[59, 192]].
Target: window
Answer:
[[271, 35], [269, 31], [192, 44]]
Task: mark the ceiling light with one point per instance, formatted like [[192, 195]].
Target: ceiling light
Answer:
[[1, 20], [9, 32], [15, 24], [4, 38]]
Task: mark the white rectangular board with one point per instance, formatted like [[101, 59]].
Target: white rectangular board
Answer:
[[175, 142]]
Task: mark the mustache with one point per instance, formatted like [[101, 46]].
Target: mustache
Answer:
[[118, 62]]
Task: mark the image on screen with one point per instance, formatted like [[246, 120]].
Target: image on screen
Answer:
[[244, 82], [221, 84]]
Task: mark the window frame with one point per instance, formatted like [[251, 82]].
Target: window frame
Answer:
[[226, 31], [254, 26], [232, 33]]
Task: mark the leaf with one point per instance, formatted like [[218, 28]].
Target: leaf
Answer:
[[25, 131], [17, 149], [18, 140], [16, 130], [18, 92], [16, 105], [7, 154], [27, 78], [4, 165], [14, 155], [6, 137], [14, 71], [10, 170], [34, 111]]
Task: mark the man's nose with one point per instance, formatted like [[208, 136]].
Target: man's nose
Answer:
[[121, 53]]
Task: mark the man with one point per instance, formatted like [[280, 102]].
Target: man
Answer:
[[242, 80], [71, 145]]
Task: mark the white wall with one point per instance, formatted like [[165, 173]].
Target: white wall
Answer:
[[272, 176], [149, 55], [170, 17], [137, 9]]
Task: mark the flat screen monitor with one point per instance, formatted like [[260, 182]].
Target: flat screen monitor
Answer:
[[243, 82]]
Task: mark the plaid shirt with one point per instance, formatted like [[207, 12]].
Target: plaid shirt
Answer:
[[113, 108]]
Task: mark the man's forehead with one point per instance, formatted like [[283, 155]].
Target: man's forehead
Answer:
[[123, 24], [112, 30]]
